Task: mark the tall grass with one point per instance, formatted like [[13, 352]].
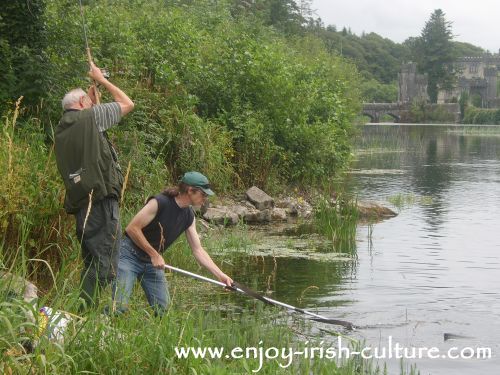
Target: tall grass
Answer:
[[199, 316], [402, 201], [338, 222], [32, 224]]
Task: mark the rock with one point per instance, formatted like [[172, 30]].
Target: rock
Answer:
[[278, 214], [258, 217], [204, 207], [221, 216], [249, 205], [18, 287], [372, 210], [296, 207], [240, 210], [259, 199], [249, 214]]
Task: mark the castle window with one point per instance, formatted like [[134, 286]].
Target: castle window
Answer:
[[473, 68]]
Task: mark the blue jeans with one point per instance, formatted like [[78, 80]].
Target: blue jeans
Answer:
[[130, 268]]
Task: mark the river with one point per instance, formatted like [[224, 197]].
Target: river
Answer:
[[432, 270]]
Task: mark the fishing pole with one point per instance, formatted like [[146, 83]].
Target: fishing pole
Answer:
[[89, 55], [237, 287]]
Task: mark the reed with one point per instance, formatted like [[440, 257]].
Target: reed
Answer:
[[402, 201], [338, 222]]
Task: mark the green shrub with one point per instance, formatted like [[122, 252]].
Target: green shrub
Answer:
[[422, 112], [497, 117], [31, 193], [25, 67], [481, 116], [221, 74]]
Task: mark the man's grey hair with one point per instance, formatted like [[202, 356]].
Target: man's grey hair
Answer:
[[72, 97]]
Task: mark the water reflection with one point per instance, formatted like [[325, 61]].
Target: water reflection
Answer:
[[437, 262], [431, 270], [296, 266]]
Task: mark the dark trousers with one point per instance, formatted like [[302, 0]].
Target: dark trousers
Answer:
[[99, 234]]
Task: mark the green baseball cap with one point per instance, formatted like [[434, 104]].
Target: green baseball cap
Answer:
[[196, 179]]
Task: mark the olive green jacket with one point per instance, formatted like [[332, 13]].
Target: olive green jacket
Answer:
[[86, 160]]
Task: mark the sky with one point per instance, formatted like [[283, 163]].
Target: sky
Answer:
[[472, 21]]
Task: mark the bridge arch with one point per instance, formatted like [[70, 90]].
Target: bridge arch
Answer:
[[370, 115], [396, 118], [376, 110]]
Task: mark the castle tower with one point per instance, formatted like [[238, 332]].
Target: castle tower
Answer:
[[411, 84], [490, 75]]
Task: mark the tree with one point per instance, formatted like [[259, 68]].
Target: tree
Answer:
[[305, 9], [466, 49], [285, 15], [463, 102], [22, 51], [434, 53]]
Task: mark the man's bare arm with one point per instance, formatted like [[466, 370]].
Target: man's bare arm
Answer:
[[202, 256], [126, 104], [134, 231]]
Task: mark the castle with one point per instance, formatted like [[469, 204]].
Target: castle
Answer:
[[412, 85], [477, 76]]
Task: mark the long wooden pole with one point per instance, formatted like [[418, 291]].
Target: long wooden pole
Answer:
[[89, 54]]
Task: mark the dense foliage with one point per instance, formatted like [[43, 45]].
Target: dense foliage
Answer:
[[216, 90], [23, 39], [378, 59], [218, 87], [467, 49], [423, 112], [481, 116]]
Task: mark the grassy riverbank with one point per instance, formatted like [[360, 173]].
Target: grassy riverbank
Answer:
[[37, 242], [199, 316]]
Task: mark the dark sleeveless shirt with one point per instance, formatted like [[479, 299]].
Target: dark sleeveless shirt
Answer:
[[168, 224]]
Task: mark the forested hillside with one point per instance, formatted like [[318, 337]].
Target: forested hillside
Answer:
[[378, 59]]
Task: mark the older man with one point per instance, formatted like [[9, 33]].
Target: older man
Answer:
[[93, 179]]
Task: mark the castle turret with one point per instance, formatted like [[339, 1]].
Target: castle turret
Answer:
[[411, 84]]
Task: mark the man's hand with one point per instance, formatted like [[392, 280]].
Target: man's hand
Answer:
[[226, 279], [96, 74], [126, 105], [157, 261]]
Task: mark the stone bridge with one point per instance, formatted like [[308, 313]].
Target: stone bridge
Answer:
[[400, 111], [376, 110]]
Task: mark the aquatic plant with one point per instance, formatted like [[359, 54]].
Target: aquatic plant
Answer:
[[338, 221], [401, 200]]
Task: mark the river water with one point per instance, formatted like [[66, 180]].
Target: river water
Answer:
[[432, 270]]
